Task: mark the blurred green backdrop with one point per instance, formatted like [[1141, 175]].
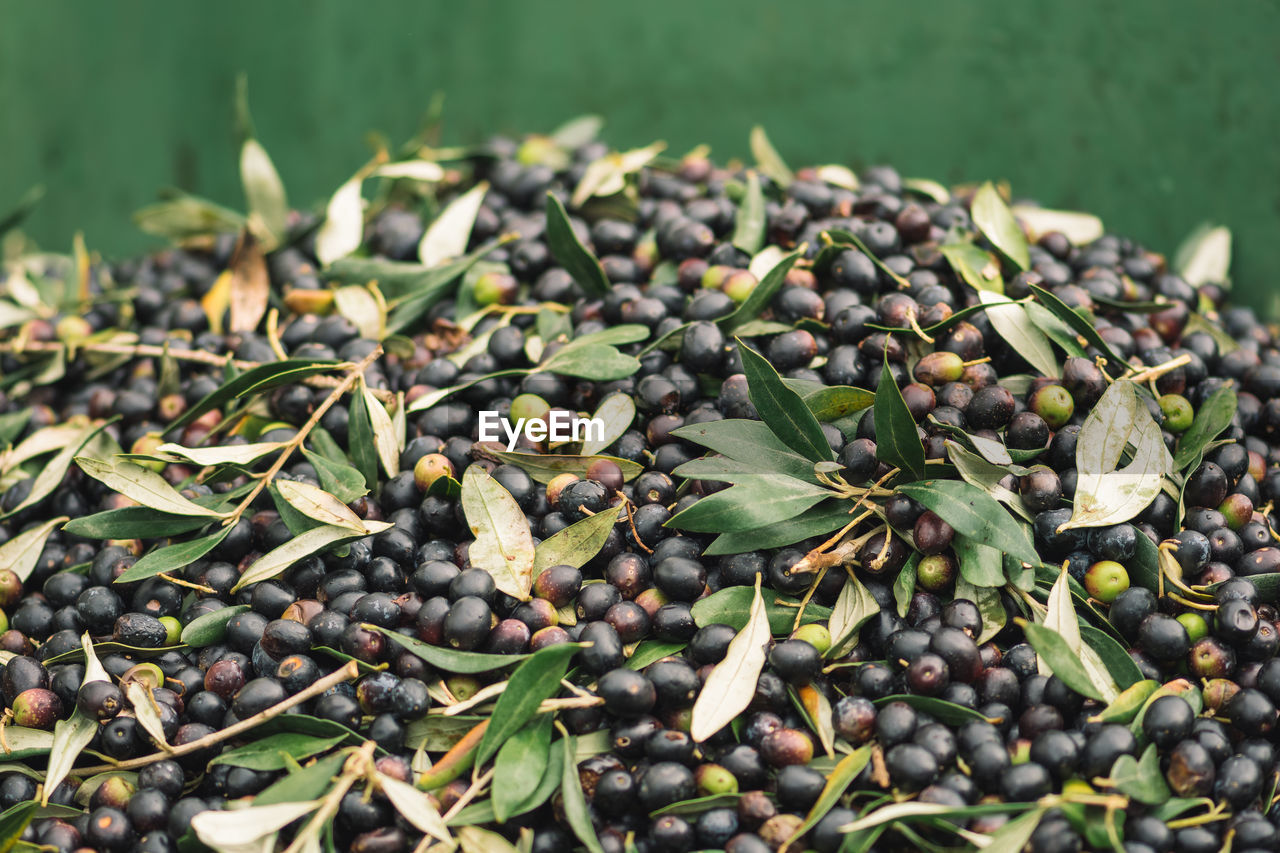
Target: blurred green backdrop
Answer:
[[1155, 114]]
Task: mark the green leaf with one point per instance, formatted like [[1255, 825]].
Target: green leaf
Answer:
[[1126, 706], [1081, 326], [12, 425], [415, 806], [72, 735], [53, 472], [597, 362], [990, 607], [1059, 332], [447, 236], [210, 628], [732, 606], [840, 238], [1141, 779], [730, 687], [341, 480], [360, 441], [945, 712], [1011, 322], [575, 801], [252, 828], [1204, 257], [21, 553], [187, 216], [256, 380], [749, 226], [650, 651], [317, 504], [897, 437], [576, 544], [975, 266], [1014, 835], [760, 297], [617, 412], [544, 467], [853, 607], [519, 766], [503, 544], [1267, 585], [823, 518], [1113, 655], [781, 409], [27, 743], [698, 805], [904, 585], [1079, 228], [264, 192], [173, 556], [569, 252], [1108, 493], [838, 401], [756, 501], [838, 781], [768, 160], [974, 514], [309, 783], [447, 659], [272, 752], [1054, 651], [300, 547], [142, 485], [413, 289], [751, 442], [1211, 419], [534, 680], [997, 224], [343, 228]]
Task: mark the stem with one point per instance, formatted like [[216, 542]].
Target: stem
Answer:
[[355, 768], [1160, 369], [470, 794], [294, 443], [348, 672], [149, 351]]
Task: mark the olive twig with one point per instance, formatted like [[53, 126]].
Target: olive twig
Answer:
[[473, 790], [355, 768], [349, 671], [300, 436]]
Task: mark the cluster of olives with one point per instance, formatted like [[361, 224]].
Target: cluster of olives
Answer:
[[956, 714]]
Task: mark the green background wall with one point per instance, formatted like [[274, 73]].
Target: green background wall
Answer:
[[1156, 115]]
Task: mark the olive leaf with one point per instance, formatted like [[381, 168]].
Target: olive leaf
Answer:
[[755, 501], [768, 160], [447, 236], [997, 224], [1213, 416], [733, 605], [1061, 619], [973, 513], [841, 238], [597, 362], [337, 478], [503, 544], [1014, 835], [650, 651], [42, 441], [414, 806], [233, 454], [1079, 228], [1113, 656], [343, 228], [578, 131], [782, 409], [1011, 322], [53, 472], [825, 517], [980, 565], [906, 811], [897, 437], [985, 475], [975, 266], [1081, 325], [360, 440], [833, 402], [989, 604], [928, 188], [543, 467], [731, 685], [749, 225], [317, 504], [21, 553], [172, 557], [750, 442], [575, 545], [1204, 257], [385, 439], [838, 781], [569, 252], [250, 287], [145, 710], [252, 828], [132, 522], [364, 307], [853, 607], [575, 801], [142, 485], [253, 381], [904, 585], [186, 216], [1055, 329], [417, 170], [1108, 493], [532, 682], [72, 735], [210, 628], [519, 766], [1053, 653], [1140, 778], [300, 547], [607, 175], [616, 412], [447, 659], [264, 192]]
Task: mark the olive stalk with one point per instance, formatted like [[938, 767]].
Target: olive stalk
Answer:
[[346, 673]]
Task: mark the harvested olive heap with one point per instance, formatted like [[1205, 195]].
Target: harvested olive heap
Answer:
[[901, 518]]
